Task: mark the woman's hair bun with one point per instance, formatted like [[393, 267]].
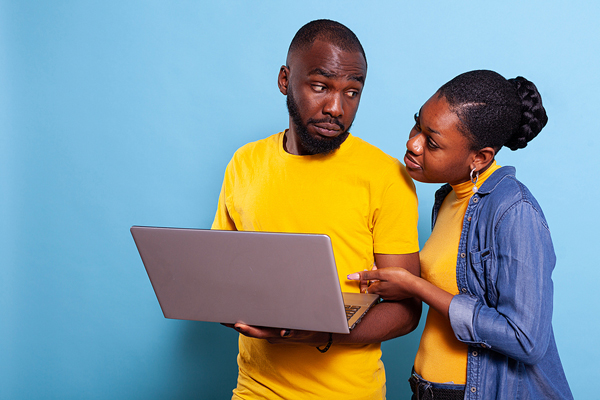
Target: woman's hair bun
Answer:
[[533, 114]]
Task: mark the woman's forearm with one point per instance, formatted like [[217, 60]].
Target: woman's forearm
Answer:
[[433, 296]]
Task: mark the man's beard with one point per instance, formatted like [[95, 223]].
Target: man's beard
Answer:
[[311, 144]]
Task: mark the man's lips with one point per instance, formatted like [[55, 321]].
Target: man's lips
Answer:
[[327, 129], [410, 162]]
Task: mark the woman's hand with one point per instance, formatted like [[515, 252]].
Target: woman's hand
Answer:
[[392, 283]]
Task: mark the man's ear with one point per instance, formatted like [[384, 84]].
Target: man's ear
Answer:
[[283, 79], [483, 158]]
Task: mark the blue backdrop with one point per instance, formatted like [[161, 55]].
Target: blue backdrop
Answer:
[[121, 113]]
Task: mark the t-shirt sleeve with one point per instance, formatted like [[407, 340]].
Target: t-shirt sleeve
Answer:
[[223, 219], [395, 217]]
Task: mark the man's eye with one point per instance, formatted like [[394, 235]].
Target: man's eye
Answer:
[[352, 94], [318, 88]]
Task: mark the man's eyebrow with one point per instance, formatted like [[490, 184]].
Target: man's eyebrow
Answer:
[[329, 74], [323, 72]]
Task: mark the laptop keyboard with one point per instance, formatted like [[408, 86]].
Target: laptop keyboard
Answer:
[[351, 310]]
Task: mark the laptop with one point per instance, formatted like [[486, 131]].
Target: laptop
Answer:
[[282, 280]]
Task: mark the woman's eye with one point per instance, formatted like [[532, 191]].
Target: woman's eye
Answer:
[[417, 125], [431, 144]]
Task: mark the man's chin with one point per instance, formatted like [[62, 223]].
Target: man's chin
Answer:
[[320, 144]]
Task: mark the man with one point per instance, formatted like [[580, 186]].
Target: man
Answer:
[[315, 177]]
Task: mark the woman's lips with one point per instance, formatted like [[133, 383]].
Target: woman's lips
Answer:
[[410, 162]]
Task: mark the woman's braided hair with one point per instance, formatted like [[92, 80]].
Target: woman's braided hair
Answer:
[[494, 111]]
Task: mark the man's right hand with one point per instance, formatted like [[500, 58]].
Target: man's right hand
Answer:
[[278, 335]]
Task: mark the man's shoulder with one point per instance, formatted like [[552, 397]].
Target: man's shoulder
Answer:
[[258, 146], [376, 165], [372, 153], [373, 160]]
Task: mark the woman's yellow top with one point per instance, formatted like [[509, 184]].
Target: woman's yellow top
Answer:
[[441, 357]]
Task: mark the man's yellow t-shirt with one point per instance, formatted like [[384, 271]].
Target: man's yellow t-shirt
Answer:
[[366, 202]]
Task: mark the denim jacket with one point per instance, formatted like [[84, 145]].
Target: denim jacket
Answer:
[[504, 307]]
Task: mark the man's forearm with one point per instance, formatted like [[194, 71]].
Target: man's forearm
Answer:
[[384, 321]]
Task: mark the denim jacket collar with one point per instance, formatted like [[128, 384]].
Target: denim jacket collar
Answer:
[[488, 187]]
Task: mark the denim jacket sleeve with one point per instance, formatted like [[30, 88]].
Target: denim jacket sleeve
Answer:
[[510, 310]]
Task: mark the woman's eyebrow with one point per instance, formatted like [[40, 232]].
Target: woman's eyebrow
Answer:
[[433, 131], [418, 116]]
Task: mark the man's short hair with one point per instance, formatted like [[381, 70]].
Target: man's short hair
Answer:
[[328, 31]]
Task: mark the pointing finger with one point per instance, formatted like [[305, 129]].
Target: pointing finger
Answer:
[[365, 275]]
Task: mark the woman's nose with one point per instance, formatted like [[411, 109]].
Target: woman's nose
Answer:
[[415, 143]]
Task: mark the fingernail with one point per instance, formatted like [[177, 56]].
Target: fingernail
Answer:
[[354, 276]]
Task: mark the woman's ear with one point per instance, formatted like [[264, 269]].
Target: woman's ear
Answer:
[[283, 79], [483, 158]]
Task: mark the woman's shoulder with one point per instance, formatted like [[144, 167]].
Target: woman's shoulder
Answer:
[[507, 193], [504, 185]]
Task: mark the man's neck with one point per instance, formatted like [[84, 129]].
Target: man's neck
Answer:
[[288, 145]]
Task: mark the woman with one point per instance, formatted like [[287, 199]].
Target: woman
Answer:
[[486, 268]]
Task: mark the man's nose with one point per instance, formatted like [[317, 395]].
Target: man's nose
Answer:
[[334, 105]]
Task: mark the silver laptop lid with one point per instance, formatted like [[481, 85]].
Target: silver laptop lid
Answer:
[[282, 280]]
